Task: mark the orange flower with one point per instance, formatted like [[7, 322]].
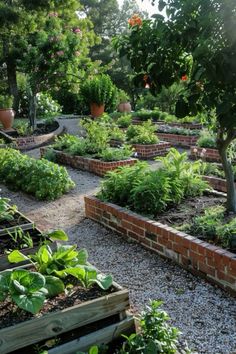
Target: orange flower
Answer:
[[135, 20], [184, 78]]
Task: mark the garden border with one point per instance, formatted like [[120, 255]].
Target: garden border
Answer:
[[207, 154], [210, 262], [178, 139], [98, 167], [147, 151], [191, 126]]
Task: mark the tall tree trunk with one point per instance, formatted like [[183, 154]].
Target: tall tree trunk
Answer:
[[32, 109], [229, 175]]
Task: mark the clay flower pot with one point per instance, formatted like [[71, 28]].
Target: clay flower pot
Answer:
[[7, 117], [96, 110], [124, 107]]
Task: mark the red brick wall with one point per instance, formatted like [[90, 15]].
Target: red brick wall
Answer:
[[98, 167], [213, 263], [218, 184], [180, 140], [152, 150], [205, 154]]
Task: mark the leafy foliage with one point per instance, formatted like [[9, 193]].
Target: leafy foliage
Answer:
[[116, 154], [142, 134], [42, 178], [124, 121], [6, 211], [207, 139], [6, 101]]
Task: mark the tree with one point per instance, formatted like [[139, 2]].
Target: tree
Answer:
[[197, 42]]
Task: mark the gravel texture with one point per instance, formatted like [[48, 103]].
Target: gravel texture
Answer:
[[205, 314]]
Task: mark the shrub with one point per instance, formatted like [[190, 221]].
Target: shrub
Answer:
[[142, 134], [227, 234], [116, 133], [207, 139], [116, 154], [124, 121], [97, 135], [42, 178], [6, 101], [46, 106], [23, 128]]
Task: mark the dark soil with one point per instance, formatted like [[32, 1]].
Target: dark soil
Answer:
[[190, 208], [40, 130], [17, 221], [7, 243], [11, 315]]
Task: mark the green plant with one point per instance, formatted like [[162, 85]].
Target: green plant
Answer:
[[42, 178], [21, 238], [177, 130], [99, 90], [64, 261], [7, 212], [211, 169], [50, 155], [6, 101], [46, 106], [97, 135], [116, 154], [207, 139], [124, 121], [2, 141], [28, 290], [22, 127], [142, 134], [122, 96], [226, 234], [116, 133]]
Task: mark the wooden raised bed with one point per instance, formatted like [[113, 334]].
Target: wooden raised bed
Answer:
[[215, 264], [207, 154], [178, 140], [98, 167], [55, 324], [21, 221]]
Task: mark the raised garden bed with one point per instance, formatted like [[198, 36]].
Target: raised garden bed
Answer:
[[86, 317], [217, 183], [37, 139], [19, 221], [202, 258], [96, 166], [149, 151], [206, 154], [191, 126], [177, 139]]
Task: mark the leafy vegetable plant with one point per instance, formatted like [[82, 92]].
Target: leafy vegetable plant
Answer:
[[6, 211]]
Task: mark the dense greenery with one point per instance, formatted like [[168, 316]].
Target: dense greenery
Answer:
[[151, 192], [207, 139], [142, 134], [43, 179]]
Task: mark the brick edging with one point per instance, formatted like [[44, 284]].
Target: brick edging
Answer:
[[97, 167], [211, 155], [218, 184], [146, 151], [211, 262], [178, 139]]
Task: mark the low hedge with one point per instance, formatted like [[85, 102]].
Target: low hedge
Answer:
[[41, 178]]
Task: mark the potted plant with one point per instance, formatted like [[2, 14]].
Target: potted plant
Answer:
[[6, 112], [123, 102], [98, 92]]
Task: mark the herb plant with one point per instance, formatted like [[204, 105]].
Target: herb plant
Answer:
[[124, 121], [116, 154], [207, 140], [142, 134], [7, 212], [42, 178]]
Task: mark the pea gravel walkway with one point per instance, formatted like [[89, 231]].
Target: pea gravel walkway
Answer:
[[205, 314]]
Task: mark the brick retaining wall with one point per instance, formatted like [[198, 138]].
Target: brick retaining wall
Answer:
[[151, 150], [98, 167], [178, 140], [211, 262], [206, 154]]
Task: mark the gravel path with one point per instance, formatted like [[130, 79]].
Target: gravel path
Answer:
[[205, 314]]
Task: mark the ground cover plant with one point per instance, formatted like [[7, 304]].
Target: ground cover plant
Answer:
[[42, 178], [151, 192], [177, 130]]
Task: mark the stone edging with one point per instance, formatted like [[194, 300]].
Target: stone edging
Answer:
[[177, 139], [207, 154], [211, 262], [98, 167]]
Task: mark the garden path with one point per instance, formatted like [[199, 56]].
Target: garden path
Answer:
[[205, 314]]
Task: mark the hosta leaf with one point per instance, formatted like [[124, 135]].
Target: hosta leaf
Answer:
[[54, 285], [31, 303]]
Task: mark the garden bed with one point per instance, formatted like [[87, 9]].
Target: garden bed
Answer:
[[96, 166], [105, 311], [191, 126], [39, 138], [178, 139], [217, 183], [152, 150], [19, 221], [207, 154], [202, 258]]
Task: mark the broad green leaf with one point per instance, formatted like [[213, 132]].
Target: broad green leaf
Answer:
[[5, 279], [31, 280], [16, 257], [104, 281], [54, 286], [66, 253], [77, 272], [16, 287], [82, 256], [45, 256], [31, 303], [93, 350], [58, 235]]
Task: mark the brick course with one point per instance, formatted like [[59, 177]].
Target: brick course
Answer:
[[151, 150], [178, 140], [211, 262], [98, 167], [211, 155], [218, 184]]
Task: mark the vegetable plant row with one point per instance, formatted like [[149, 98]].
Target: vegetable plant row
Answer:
[[41, 178]]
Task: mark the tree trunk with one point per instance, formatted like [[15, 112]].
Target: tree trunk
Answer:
[[12, 82], [229, 175], [32, 109]]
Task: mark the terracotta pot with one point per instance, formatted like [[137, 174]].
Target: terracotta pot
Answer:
[[7, 117], [124, 107], [96, 110]]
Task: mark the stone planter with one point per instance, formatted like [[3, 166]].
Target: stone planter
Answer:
[[124, 107], [178, 140], [215, 264], [107, 312], [98, 167], [207, 154]]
